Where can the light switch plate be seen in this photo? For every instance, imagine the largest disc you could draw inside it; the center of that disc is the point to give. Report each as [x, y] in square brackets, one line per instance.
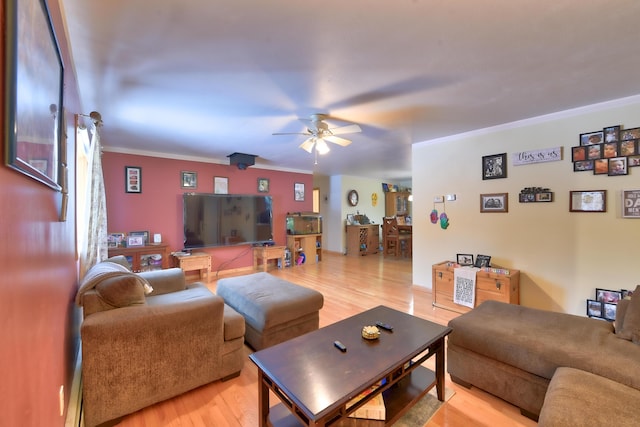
[438, 199]
[451, 197]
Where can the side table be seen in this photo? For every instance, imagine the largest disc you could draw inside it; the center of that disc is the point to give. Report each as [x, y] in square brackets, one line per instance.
[265, 253]
[196, 261]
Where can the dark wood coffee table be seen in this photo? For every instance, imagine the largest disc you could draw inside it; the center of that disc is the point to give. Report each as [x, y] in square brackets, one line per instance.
[315, 381]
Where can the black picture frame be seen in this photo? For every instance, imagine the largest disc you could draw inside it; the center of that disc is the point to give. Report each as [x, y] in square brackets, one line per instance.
[594, 308]
[298, 192]
[618, 166]
[611, 133]
[583, 166]
[609, 310]
[464, 259]
[608, 295]
[494, 166]
[633, 133]
[482, 261]
[132, 179]
[590, 138]
[34, 126]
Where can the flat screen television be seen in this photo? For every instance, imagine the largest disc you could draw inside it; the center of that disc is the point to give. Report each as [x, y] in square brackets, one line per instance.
[226, 219]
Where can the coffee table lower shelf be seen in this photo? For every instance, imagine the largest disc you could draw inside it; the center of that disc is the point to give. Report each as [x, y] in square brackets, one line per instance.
[398, 399]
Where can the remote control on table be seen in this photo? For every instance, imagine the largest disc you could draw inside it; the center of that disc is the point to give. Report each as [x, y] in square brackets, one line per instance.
[384, 326]
[340, 346]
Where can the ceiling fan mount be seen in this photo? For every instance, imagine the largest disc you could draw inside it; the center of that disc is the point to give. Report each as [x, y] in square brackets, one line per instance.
[318, 132]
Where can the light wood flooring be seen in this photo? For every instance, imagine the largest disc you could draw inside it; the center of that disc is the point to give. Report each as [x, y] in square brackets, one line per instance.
[349, 285]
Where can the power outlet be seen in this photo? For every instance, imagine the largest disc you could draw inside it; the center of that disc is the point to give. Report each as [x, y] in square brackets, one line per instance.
[61, 396]
[438, 199]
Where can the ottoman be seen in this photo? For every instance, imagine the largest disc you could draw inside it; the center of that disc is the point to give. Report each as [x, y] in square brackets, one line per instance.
[274, 309]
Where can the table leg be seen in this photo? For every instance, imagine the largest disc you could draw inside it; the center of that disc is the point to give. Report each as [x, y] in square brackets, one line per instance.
[263, 400]
[440, 369]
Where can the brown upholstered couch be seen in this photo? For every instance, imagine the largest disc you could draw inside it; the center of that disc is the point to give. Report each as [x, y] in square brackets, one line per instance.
[559, 368]
[140, 349]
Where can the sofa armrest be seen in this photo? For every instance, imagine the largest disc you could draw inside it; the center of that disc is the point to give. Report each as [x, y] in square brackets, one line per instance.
[133, 357]
[165, 281]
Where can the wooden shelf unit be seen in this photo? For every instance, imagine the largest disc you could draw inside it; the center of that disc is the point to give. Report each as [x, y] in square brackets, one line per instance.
[140, 257]
[489, 286]
[397, 203]
[310, 244]
[200, 261]
[363, 239]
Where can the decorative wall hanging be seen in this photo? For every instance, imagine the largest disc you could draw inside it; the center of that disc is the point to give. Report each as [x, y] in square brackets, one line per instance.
[537, 156]
[611, 151]
[535, 194]
[188, 179]
[631, 203]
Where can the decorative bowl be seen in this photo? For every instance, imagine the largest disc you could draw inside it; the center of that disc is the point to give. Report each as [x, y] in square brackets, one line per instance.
[370, 332]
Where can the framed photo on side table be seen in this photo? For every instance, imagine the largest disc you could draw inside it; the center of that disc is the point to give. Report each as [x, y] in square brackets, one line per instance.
[483, 261]
[143, 234]
[464, 259]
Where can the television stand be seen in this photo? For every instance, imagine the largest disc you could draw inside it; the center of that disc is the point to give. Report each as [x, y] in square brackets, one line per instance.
[265, 253]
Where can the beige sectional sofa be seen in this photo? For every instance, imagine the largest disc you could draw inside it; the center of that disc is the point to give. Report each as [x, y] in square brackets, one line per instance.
[140, 349]
[561, 369]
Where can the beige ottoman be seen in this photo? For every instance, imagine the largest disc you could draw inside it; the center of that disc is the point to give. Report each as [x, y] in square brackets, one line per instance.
[274, 309]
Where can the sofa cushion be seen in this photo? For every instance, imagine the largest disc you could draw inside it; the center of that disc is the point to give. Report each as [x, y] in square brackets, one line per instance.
[111, 270]
[539, 341]
[121, 291]
[234, 326]
[579, 398]
[120, 259]
[630, 327]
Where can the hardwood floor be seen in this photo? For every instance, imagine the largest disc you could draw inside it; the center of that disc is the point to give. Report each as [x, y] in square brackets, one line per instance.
[349, 285]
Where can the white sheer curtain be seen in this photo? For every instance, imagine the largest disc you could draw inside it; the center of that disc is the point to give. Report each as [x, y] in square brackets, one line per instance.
[92, 207]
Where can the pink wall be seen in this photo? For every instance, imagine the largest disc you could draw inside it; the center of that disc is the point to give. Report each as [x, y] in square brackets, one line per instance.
[158, 209]
[38, 318]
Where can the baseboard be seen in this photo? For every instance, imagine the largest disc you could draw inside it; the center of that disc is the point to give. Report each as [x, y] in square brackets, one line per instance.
[74, 409]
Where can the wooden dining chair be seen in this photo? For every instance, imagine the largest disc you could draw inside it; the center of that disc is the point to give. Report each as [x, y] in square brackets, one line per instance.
[394, 242]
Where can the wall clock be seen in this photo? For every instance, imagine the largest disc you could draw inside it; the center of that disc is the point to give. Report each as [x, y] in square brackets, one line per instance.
[352, 198]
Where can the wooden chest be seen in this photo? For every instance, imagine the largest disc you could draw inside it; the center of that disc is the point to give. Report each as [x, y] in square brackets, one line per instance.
[491, 284]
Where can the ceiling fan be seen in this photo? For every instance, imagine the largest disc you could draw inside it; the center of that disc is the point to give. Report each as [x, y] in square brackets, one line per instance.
[319, 132]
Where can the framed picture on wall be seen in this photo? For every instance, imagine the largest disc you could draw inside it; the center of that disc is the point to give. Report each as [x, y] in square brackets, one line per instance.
[188, 179]
[494, 166]
[591, 138]
[221, 185]
[494, 202]
[631, 203]
[588, 201]
[298, 192]
[263, 185]
[132, 179]
[594, 308]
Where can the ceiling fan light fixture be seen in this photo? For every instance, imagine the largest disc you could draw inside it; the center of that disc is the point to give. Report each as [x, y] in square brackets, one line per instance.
[321, 146]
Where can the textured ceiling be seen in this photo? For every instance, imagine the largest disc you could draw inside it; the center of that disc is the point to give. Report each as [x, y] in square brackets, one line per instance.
[203, 79]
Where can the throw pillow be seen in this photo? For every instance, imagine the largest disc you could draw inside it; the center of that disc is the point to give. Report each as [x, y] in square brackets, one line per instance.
[630, 329]
[621, 311]
[122, 291]
[120, 259]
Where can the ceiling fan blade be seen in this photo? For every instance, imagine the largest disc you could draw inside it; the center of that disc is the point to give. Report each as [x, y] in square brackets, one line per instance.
[292, 133]
[337, 140]
[346, 129]
[321, 146]
[308, 144]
